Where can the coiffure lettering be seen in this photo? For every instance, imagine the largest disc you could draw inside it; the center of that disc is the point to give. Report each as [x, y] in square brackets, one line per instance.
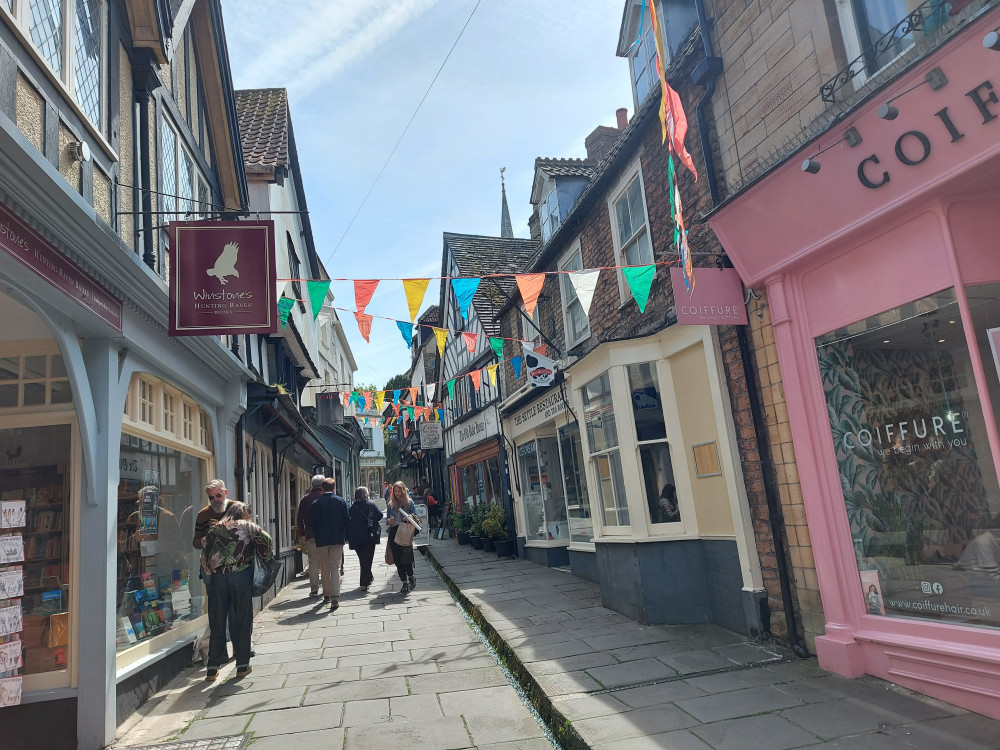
[711, 311]
[917, 428]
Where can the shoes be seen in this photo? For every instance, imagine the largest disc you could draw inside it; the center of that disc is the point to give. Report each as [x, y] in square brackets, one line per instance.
[413, 583]
[326, 600]
[405, 589]
[252, 653]
[243, 671]
[334, 605]
[212, 675]
[364, 588]
[313, 594]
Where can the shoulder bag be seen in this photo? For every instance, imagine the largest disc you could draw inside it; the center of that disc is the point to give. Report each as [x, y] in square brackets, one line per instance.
[374, 529]
[265, 574]
[406, 530]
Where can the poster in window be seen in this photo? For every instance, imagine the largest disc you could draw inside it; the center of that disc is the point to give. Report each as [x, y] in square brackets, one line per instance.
[149, 499]
[11, 548]
[10, 691]
[12, 514]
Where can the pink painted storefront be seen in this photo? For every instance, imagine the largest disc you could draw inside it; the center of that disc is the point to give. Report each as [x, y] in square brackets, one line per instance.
[882, 273]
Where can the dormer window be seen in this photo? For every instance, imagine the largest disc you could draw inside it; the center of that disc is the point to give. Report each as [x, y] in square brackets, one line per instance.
[548, 213]
[642, 63]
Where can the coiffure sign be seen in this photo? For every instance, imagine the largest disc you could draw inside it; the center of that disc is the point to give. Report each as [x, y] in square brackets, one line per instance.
[222, 278]
[717, 297]
[920, 433]
[25, 245]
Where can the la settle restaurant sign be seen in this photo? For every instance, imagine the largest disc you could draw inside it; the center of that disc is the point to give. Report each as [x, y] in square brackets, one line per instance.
[25, 245]
[222, 278]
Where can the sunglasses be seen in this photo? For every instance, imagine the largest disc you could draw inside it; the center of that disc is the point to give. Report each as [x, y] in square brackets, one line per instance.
[216, 497]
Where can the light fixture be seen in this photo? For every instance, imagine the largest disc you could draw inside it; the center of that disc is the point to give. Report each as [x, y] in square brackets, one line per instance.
[940, 341]
[78, 151]
[851, 137]
[885, 341]
[811, 166]
[935, 78]
[992, 40]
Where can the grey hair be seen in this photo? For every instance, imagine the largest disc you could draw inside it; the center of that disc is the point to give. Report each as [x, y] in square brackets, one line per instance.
[361, 495]
[215, 483]
[318, 480]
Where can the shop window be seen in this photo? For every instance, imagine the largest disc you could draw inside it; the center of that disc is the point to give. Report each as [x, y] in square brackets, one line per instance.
[35, 552]
[575, 320]
[87, 58]
[920, 488]
[158, 586]
[542, 489]
[654, 450]
[548, 212]
[169, 413]
[864, 22]
[581, 526]
[147, 403]
[630, 226]
[36, 380]
[602, 441]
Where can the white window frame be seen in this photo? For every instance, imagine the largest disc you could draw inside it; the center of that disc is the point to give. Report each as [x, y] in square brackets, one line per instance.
[852, 40]
[199, 185]
[548, 211]
[20, 18]
[645, 48]
[568, 294]
[633, 172]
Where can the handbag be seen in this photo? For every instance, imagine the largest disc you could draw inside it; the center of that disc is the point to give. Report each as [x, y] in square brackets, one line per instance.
[375, 530]
[388, 555]
[405, 531]
[265, 574]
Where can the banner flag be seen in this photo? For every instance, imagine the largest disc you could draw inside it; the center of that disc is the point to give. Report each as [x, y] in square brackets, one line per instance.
[284, 308]
[530, 285]
[497, 344]
[441, 334]
[640, 279]
[407, 330]
[470, 339]
[379, 400]
[584, 283]
[429, 390]
[317, 293]
[451, 389]
[673, 121]
[465, 289]
[414, 290]
[515, 362]
[492, 370]
[364, 324]
[363, 291]
[477, 379]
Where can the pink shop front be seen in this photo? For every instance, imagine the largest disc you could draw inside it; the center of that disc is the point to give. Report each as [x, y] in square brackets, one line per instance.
[882, 275]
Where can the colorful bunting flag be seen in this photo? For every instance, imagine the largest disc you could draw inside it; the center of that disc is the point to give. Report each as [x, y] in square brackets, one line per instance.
[395, 398]
[413, 397]
[673, 121]
[368, 398]
[429, 390]
[379, 400]
[640, 279]
[317, 293]
[451, 389]
[364, 324]
[515, 362]
[465, 289]
[410, 410]
[284, 308]
[584, 283]
[345, 399]
[363, 291]
[440, 415]
[497, 344]
[680, 231]
[492, 370]
[407, 330]
[414, 290]
[530, 286]
[470, 341]
[441, 334]
[477, 377]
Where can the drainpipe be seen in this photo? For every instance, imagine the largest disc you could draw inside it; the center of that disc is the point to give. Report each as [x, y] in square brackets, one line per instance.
[704, 74]
[240, 452]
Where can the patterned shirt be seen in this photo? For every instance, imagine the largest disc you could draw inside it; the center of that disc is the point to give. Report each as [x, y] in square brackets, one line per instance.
[231, 547]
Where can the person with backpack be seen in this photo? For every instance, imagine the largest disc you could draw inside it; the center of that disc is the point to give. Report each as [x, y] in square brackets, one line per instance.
[364, 533]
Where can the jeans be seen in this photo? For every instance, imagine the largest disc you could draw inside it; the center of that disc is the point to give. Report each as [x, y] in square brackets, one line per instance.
[365, 556]
[330, 557]
[313, 565]
[230, 597]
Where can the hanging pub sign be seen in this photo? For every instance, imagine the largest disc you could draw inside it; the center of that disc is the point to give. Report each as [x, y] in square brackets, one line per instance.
[716, 298]
[329, 409]
[541, 370]
[431, 435]
[222, 278]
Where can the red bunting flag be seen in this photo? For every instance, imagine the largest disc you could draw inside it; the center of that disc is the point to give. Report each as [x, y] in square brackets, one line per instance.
[364, 324]
[477, 378]
[470, 341]
[363, 291]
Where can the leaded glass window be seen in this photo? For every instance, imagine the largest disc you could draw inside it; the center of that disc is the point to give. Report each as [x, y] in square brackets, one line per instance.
[46, 29]
[88, 58]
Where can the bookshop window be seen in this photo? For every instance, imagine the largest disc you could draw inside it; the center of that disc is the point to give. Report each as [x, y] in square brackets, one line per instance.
[159, 495]
[33, 380]
[35, 550]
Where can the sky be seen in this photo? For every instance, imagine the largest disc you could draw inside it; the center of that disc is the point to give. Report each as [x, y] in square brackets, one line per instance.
[526, 79]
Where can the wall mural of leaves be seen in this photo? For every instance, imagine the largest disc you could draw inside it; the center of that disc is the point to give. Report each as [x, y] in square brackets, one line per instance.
[893, 498]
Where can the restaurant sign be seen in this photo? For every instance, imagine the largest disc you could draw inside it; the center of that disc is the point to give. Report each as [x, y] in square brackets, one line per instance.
[25, 245]
[222, 278]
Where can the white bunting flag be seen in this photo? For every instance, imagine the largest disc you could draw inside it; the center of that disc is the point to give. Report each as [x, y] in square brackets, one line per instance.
[584, 283]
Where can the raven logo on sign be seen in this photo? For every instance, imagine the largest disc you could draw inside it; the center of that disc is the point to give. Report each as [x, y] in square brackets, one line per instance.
[226, 263]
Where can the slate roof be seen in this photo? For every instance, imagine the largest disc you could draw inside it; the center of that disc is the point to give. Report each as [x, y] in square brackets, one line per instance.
[480, 256]
[566, 167]
[264, 122]
[430, 316]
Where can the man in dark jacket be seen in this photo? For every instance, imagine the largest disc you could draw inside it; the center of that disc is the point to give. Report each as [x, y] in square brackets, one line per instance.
[328, 521]
[301, 525]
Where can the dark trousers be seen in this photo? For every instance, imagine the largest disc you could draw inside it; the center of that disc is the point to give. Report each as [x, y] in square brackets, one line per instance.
[365, 556]
[403, 569]
[230, 597]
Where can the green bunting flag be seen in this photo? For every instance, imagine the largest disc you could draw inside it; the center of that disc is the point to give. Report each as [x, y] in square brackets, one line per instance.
[317, 293]
[497, 344]
[284, 308]
[451, 389]
[640, 279]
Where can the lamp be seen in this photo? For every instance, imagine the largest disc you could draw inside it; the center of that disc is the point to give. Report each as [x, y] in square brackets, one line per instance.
[78, 151]
[935, 78]
[992, 40]
[851, 137]
[811, 166]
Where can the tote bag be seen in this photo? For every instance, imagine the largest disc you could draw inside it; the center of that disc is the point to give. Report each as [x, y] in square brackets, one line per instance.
[265, 574]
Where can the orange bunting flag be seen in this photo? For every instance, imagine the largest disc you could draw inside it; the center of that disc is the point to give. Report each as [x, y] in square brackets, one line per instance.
[414, 290]
[542, 349]
[345, 398]
[363, 291]
[471, 339]
[530, 286]
[492, 370]
[413, 395]
[673, 121]
[364, 324]
[477, 378]
[441, 334]
[368, 398]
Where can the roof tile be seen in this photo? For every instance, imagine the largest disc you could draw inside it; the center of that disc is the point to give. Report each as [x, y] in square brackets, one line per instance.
[263, 118]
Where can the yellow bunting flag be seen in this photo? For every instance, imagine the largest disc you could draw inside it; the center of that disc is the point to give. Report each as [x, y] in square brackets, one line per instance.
[379, 400]
[492, 370]
[414, 289]
[441, 334]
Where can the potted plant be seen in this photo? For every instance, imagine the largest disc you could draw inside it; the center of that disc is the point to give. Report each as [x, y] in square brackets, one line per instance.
[476, 529]
[463, 522]
[494, 527]
[452, 524]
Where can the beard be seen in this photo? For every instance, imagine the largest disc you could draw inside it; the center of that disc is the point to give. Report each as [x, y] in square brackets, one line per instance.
[218, 507]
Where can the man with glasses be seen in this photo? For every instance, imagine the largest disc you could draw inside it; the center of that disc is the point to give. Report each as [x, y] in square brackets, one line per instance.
[218, 501]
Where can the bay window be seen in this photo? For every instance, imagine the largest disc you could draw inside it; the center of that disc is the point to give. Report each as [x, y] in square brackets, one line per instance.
[659, 487]
[602, 442]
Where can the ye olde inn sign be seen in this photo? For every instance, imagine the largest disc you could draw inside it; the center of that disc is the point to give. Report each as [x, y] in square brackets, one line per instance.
[222, 278]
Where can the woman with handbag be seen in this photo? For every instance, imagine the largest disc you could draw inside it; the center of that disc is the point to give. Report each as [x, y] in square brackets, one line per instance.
[399, 514]
[364, 532]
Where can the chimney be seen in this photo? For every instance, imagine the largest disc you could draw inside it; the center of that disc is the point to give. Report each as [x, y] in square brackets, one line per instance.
[622, 115]
[599, 142]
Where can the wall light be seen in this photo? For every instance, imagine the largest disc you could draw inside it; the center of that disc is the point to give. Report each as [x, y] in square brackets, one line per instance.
[992, 40]
[935, 78]
[851, 137]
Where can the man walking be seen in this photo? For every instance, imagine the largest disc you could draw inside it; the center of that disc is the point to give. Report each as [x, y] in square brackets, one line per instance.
[328, 521]
[302, 526]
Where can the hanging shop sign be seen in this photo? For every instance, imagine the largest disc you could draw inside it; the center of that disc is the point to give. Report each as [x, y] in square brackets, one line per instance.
[25, 245]
[329, 409]
[222, 278]
[715, 300]
[541, 370]
[431, 435]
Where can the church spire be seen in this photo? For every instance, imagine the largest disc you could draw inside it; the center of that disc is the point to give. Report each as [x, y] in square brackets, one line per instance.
[505, 228]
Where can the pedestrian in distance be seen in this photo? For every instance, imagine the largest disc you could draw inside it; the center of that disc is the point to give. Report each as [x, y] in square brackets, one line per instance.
[364, 533]
[301, 525]
[328, 521]
[227, 555]
[400, 508]
[386, 492]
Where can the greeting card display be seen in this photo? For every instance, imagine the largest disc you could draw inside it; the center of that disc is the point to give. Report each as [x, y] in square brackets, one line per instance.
[11, 582]
[11, 619]
[11, 548]
[10, 691]
[13, 514]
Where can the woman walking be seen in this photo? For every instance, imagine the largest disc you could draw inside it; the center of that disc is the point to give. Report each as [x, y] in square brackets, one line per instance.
[364, 532]
[400, 506]
[228, 553]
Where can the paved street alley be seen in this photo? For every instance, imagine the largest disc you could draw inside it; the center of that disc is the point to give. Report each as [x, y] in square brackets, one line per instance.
[385, 671]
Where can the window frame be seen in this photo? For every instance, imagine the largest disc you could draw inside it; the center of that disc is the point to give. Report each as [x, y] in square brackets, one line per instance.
[548, 210]
[631, 173]
[565, 289]
[608, 454]
[646, 47]
[851, 34]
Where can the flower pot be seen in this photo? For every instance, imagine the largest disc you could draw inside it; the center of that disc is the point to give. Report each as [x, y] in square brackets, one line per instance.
[488, 545]
[476, 542]
[463, 537]
[451, 533]
[504, 547]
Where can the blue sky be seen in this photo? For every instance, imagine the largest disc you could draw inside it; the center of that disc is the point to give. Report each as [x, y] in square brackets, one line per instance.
[526, 79]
